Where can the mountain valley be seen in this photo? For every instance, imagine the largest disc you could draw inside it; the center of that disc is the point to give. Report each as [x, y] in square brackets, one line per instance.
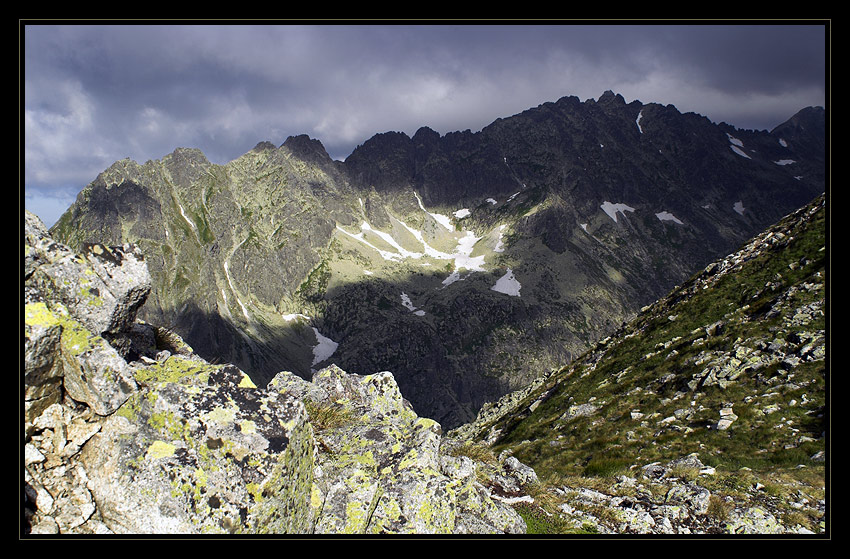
[467, 264]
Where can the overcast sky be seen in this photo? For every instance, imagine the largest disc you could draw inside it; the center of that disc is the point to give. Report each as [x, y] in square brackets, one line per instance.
[96, 94]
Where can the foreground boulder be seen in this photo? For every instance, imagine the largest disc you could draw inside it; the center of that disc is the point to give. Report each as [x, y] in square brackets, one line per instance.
[384, 469]
[127, 430]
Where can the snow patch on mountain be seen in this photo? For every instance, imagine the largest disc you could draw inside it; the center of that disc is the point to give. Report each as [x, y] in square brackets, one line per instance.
[667, 216]
[740, 152]
[386, 255]
[408, 304]
[324, 348]
[611, 209]
[463, 254]
[508, 284]
[739, 207]
[403, 253]
[294, 316]
[439, 218]
[500, 246]
[453, 277]
[226, 266]
[736, 145]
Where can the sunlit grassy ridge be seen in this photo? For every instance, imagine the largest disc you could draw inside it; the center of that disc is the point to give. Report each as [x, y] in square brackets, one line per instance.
[647, 372]
[747, 345]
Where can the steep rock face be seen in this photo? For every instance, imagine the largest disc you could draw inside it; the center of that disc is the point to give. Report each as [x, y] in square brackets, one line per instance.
[128, 431]
[585, 210]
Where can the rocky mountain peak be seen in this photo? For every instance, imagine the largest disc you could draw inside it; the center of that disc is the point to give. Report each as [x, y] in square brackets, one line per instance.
[812, 118]
[425, 135]
[187, 156]
[307, 148]
[611, 98]
[264, 146]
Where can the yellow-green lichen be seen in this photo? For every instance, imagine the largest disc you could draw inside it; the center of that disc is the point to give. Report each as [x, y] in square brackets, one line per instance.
[129, 409]
[316, 498]
[157, 421]
[38, 314]
[167, 424]
[76, 340]
[160, 449]
[246, 382]
[288, 425]
[174, 369]
[88, 297]
[255, 491]
[409, 459]
[247, 426]
[220, 415]
[356, 515]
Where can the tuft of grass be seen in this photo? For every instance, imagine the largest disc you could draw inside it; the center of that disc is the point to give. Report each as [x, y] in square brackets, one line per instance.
[799, 518]
[686, 473]
[718, 508]
[539, 521]
[328, 415]
[606, 467]
[475, 451]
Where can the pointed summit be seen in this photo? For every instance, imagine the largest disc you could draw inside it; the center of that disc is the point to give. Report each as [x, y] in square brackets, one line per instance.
[306, 148]
[263, 146]
[609, 97]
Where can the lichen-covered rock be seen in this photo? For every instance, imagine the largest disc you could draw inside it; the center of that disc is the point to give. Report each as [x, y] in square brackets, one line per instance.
[93, 370]
[61, 354]
[71, 302]
[103, 287]
[162, 443]
[202, 450]
[754, 520]
[42, 368]
[381, 467]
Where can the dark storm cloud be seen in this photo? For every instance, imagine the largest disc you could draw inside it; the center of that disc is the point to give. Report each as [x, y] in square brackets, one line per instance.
[95, 94]
[738, 59]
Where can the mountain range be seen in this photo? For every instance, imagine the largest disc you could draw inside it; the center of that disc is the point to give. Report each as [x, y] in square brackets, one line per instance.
[468, 264]
[591, 317]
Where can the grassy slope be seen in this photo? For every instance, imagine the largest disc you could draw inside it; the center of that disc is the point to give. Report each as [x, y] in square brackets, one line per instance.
[641, 408]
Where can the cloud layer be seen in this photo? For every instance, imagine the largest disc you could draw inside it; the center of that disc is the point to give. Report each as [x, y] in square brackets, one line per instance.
[96, 94]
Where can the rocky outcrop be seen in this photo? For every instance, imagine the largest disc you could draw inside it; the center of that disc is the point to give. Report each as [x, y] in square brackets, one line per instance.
[674, 498]
[383, 469]
[128, 431]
